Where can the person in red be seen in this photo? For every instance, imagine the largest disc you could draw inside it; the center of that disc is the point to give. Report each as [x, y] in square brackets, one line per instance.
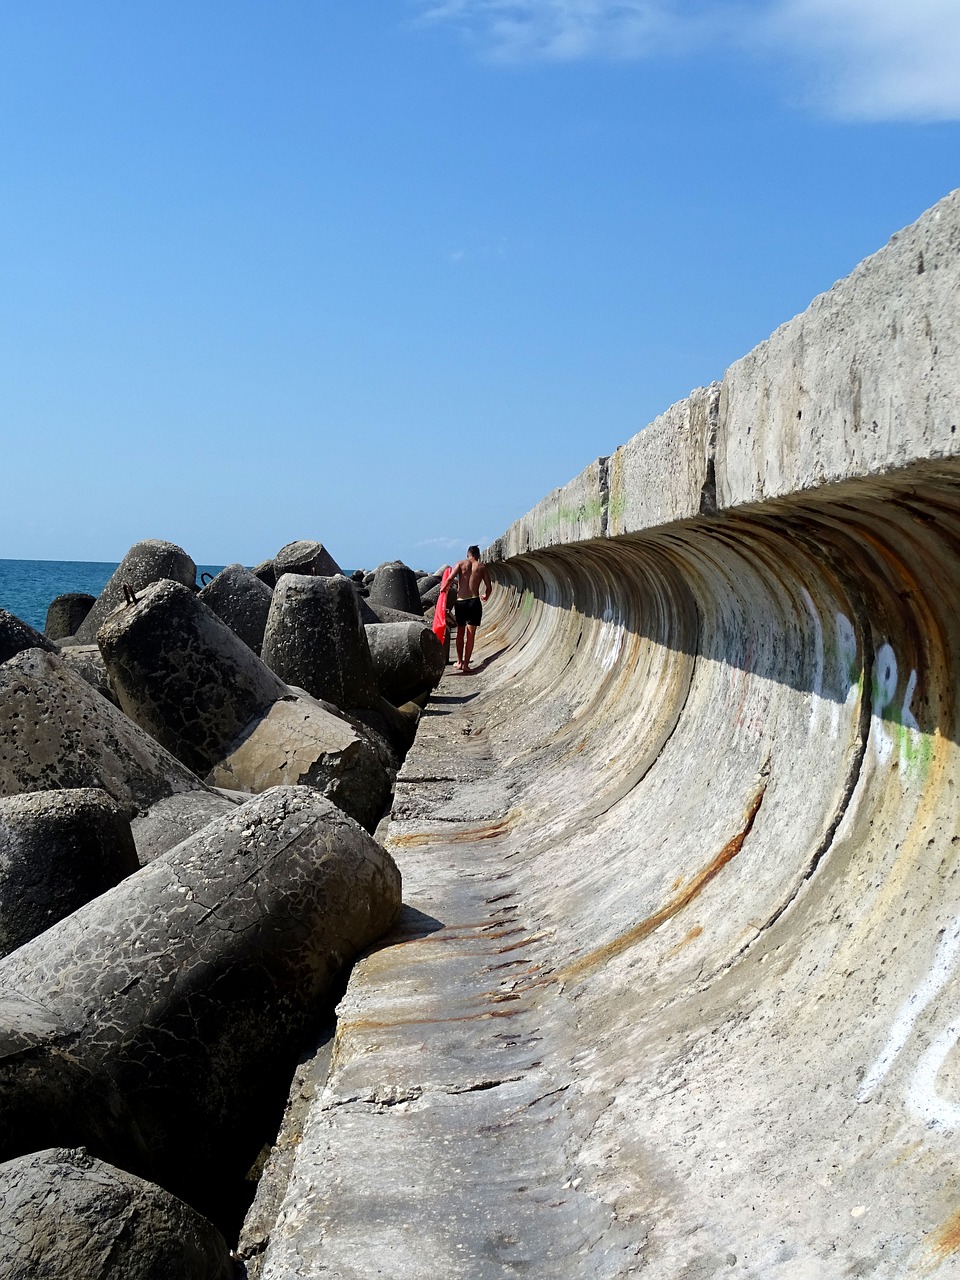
[471, 577]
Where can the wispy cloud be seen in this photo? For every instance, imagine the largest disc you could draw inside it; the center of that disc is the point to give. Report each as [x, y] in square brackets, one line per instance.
[567, 30]
[455, 544]
[442, 543]
[875, 59]
[855, 59]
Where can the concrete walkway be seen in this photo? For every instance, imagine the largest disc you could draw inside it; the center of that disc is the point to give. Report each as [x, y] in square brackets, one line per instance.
[443, 1144]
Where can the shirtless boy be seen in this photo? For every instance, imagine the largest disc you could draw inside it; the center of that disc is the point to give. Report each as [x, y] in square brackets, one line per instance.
[470, 576]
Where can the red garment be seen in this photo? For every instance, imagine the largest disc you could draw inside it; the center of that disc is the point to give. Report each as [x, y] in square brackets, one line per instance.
[440, 613]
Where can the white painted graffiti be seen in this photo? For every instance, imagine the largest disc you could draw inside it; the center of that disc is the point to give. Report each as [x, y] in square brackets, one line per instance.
[817, 701]
[609, 642]
[884, 689]
[845, 675]
[847, 667]
[886, 678]
[923, 1101]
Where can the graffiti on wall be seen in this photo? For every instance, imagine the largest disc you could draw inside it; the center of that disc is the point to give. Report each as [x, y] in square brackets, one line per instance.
[923, 1101]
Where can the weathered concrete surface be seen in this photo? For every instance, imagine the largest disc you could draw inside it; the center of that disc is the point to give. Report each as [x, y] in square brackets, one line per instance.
[66, 612]
[87, 661]
[17, 635]
[147, 561]
[315, 640]
[58, 849]
[407, 658]
[372, 614]
[676, 990]
[182, 674]
[154, 1025]
[299, 742]
[56, 731]
[242, 601]
[67, 1216]
[394, 586]
[304, 557]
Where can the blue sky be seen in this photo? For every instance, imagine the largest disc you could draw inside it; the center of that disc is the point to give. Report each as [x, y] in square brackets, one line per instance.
[384, 273]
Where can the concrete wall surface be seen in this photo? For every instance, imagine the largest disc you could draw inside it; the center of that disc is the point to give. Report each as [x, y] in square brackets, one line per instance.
[676, 989]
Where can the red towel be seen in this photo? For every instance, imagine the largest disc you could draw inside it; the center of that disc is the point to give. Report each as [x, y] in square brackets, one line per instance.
[440, 613]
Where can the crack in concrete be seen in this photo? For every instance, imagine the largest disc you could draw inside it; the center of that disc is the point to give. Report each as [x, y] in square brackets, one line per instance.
[399, 1095]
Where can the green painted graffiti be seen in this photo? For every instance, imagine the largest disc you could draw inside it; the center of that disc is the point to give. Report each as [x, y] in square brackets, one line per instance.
[571, 515]
[916, 750]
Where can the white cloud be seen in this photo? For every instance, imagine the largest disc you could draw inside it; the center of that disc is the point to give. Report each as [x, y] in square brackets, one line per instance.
[876, 59]
[566, 30]
[856, 59]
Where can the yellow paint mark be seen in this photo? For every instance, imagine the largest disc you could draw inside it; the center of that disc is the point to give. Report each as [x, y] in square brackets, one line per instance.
[600, 955]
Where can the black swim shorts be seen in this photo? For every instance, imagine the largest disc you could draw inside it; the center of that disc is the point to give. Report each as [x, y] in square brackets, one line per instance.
[468, 612]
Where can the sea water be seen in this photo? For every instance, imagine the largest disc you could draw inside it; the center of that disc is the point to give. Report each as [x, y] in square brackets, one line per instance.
[28, 586]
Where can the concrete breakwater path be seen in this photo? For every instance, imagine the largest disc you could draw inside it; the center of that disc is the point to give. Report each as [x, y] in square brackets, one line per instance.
[676, 988]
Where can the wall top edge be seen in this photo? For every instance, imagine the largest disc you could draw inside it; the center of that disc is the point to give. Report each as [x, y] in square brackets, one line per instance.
[865, 381]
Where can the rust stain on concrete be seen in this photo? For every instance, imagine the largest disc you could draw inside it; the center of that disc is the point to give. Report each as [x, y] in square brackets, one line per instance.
[359, 1025]
[695, 932]
[945, 1242]
[514, 946]
[490, 831]
[600, 955]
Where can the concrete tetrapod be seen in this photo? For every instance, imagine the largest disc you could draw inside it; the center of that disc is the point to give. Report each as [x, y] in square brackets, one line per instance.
[183, 674]
[58, 849]
[299, 741]
[17, 635]
[158, 1026]
[316, 641]
[67, 1216]
[407, 657]
[266, 572]
[56, 731]
[370, 615]
[373, 614]
[147, 561]
[241, 600]
[306, 557]
[66, 612]
[394, 586]
[87, 661]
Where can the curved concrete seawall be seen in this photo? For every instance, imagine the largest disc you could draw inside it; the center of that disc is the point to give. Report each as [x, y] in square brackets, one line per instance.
[677, 988]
